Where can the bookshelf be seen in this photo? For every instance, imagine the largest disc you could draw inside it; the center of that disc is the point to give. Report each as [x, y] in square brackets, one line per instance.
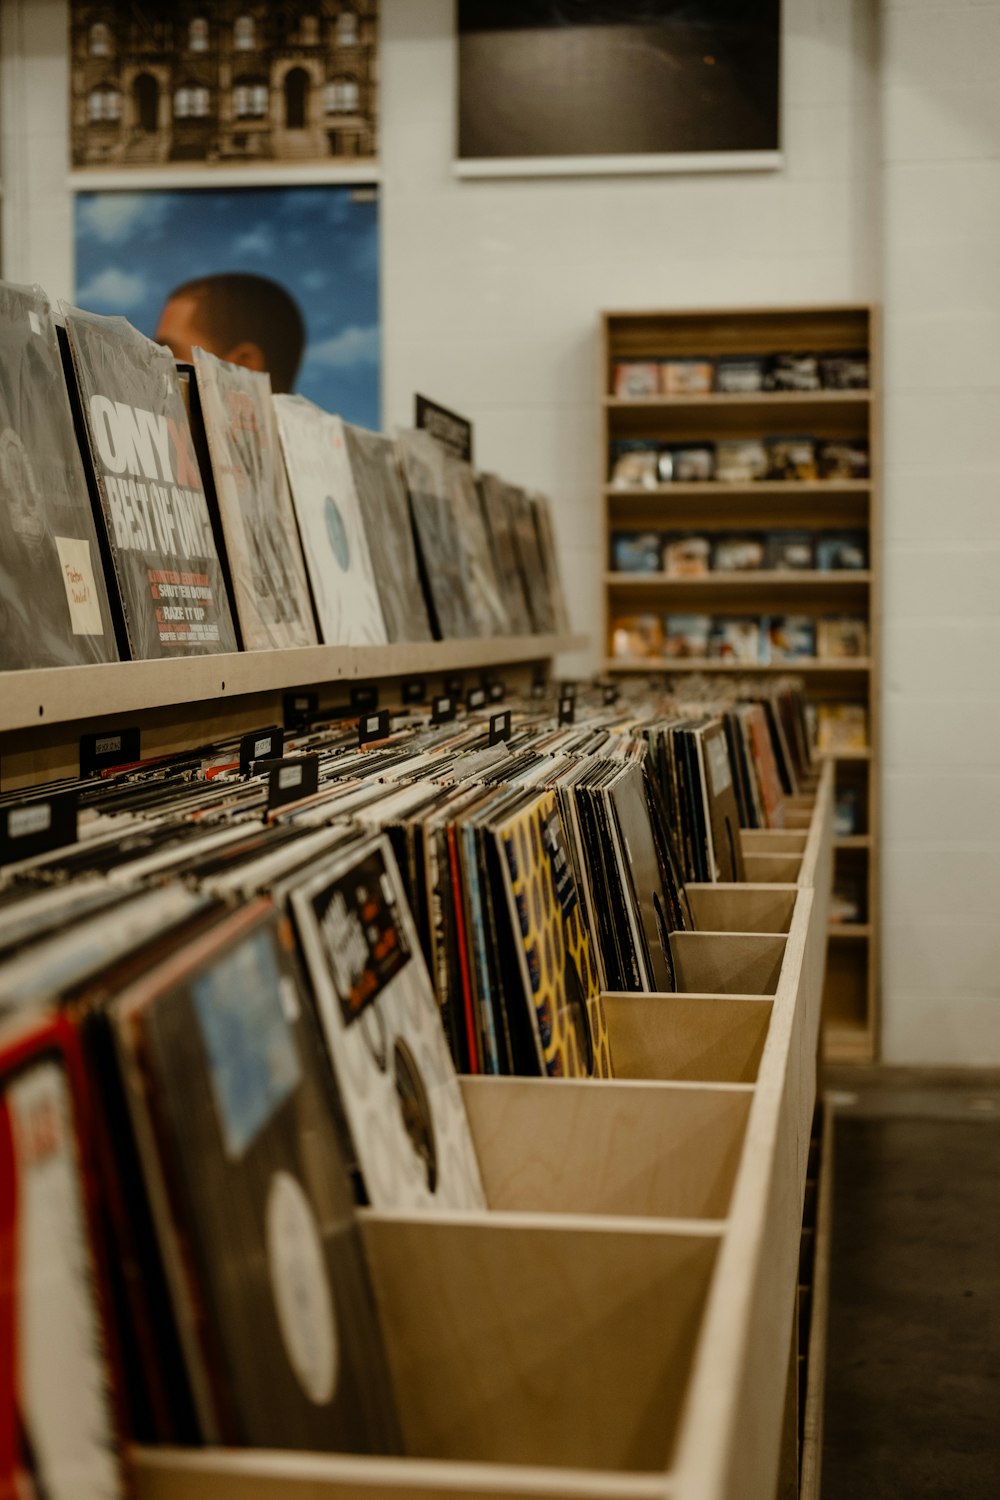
[711, 507]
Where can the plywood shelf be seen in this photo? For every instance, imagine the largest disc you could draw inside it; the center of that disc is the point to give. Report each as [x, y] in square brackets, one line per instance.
[862, 753]
[799, 401]
[793, 489]
[848, 1044]
[665, 664]
[63, 695]
[853, 932]
[853, 841]
[751, 579]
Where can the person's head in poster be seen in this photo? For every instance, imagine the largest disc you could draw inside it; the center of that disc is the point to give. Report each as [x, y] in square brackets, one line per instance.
[245, 319]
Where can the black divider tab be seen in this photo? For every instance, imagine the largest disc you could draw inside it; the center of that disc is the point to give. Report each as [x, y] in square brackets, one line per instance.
[37, 825]
[567, 709]
[373, 727]
[476, 699]
[442, 709]
[300, 708]
[364, 697]
[497, 690]
[108, 748]
[609, 694]
[567, 690]
[263, 744]
[500, 727]
[291, 779]
[415, 690]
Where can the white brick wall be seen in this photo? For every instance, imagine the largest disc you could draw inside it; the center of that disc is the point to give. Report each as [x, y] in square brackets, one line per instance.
[941, 814]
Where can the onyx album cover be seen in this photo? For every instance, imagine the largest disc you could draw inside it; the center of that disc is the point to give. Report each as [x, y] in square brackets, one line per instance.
[152, 499]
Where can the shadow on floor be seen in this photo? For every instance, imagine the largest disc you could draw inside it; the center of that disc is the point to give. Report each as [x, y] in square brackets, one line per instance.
[913, 1353]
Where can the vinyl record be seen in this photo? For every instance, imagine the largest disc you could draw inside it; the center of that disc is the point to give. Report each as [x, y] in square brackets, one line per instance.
[385, 511]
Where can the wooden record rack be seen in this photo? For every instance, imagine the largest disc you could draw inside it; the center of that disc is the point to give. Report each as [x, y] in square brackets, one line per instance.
[622, 1321]
[713, 507]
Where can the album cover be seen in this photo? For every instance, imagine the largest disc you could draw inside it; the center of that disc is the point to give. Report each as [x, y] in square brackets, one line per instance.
[842, 551]
[840, 638]
[792, 372]
[545, 529]
[636, 551]
[686, 556]
[720, 797]
[496, 498]
[741, 460]
[439, 541]
[791, 637]
[845, 372]
[738, 554]
[735, 640]
[634, 379]
[255, 508]
[230, 1102]
[843, 460]
[334, 541]
[481, 580]
[687, 635]
[846, 812]
[530, 558]
[635, 465]
[792, 458]
[558, 973]
[636, 635]
[54, 607]
[740, 375]
[790, 551]
[55, 1360]
[758, 735]
[686, 377]
[642, 876]
[693, 464]
[841, 726]
[385, 510]
[383, 1032]
[149, 490]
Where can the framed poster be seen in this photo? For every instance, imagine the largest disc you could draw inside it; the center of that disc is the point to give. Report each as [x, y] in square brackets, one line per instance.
[597, 86]
[282, 279]
[217, 85]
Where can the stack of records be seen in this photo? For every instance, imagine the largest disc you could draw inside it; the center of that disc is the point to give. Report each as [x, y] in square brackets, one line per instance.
[385, 510]
[437, 526]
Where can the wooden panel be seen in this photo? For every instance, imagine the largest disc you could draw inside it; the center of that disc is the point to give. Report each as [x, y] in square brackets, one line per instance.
[741, 907]
[772, 841]
[651, 335]
[514, 1343]
[725, 963]
[769, 869]
[704, 1038]
[659, 1150]
[212, 1474]
[812, 1427]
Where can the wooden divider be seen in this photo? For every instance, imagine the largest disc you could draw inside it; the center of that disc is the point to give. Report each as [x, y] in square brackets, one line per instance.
[617, 1325]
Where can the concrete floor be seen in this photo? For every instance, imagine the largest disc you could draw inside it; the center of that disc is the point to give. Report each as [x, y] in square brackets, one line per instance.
[913, 1368]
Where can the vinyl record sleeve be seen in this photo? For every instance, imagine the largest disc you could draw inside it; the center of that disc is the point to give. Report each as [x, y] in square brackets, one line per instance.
[255, 509]
[54, 607]
[532, 565]
[59, 1432]
[558, 972]
[495, 499]
[231, 1106]
[383, 1031]
[334, 540]
[546, 532]
[723, 813]
[482, 582]
[385, 510]
[436, 524]
[159, 531]
[641, 874]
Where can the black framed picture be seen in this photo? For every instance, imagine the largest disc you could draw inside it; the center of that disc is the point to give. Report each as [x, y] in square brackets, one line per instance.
[557, 86]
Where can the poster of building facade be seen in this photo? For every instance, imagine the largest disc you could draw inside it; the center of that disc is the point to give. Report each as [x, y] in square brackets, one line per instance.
[220, 83]
[282, 279]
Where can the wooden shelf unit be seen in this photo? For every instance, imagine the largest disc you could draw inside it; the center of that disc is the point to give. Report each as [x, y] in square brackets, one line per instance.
[653, 1221]
[714, 506]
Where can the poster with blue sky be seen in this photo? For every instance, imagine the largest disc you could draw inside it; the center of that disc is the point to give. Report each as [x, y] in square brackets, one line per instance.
[318, 244]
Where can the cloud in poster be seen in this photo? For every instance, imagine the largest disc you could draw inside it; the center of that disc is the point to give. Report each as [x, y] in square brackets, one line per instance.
[114, 218]
[260, 240]
[353, 346]
[113, 290]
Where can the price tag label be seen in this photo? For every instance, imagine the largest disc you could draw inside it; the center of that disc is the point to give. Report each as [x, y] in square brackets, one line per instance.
[108, 748]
